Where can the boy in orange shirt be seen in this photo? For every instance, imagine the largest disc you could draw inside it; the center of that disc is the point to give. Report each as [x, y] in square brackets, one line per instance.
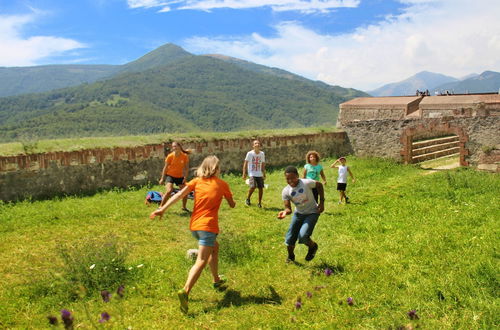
[209, 190]
[175, 172]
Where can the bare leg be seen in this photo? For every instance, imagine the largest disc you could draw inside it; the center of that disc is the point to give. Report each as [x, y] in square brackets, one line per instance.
[204, 253]
[261, 191]
[213, 263]
[250, 192]
[168, 190]
[184, 200]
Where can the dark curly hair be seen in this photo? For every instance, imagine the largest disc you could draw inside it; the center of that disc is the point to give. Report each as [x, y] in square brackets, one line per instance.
[312, 152]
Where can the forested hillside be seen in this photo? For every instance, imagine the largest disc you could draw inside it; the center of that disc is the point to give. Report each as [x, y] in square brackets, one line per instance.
[186, 93]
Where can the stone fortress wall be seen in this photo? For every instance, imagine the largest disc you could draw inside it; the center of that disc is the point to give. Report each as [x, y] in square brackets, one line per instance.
[390, 126]
[50, 174]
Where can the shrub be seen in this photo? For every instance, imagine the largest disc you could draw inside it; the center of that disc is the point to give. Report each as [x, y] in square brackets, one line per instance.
[95, 264]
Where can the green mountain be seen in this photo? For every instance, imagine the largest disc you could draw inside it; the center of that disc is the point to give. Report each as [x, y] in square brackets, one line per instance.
[169, 90]
[35, 79]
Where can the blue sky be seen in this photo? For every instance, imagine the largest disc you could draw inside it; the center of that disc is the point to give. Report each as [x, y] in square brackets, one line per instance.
[352, 43]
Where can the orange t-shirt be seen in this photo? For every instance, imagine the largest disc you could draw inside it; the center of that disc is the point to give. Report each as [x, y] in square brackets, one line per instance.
[176, 164]
[208, 194]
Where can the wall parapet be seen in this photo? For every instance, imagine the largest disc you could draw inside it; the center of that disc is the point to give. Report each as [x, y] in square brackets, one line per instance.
[57, 173]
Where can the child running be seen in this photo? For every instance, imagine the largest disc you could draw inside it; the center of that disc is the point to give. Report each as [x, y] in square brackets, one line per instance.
[175, 172]
[342, 179]
[255, 162]
[313, 170]
[306, 214]
[209, 190]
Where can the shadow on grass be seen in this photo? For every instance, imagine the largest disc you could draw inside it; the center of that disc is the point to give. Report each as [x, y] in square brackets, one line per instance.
[335, 269]
[234, 298]
[274, 209]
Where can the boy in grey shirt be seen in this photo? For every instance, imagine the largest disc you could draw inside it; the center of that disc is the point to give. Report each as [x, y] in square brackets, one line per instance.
[299, 191]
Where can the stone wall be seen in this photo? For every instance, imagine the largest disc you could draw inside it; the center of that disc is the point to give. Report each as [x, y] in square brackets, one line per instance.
[392, 138]
[58, 173]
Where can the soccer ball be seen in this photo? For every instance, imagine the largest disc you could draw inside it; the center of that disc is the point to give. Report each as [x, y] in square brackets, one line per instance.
[192, 254]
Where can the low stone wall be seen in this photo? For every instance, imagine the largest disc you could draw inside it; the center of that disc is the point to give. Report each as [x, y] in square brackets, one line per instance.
[58, 173]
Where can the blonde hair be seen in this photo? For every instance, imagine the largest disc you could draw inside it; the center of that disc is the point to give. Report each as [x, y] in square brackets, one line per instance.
[208, 168]
[312, 152]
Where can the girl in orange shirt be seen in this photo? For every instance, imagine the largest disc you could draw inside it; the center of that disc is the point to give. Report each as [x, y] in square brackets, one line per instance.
[175, 172]
[209, 190]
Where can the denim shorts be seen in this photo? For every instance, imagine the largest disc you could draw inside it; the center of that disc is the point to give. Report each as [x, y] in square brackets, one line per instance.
[205, 238]
[301, 228]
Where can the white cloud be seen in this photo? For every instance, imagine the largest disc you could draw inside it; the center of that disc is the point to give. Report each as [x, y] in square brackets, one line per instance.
[17, 50]
[305, 6]
[454, 37]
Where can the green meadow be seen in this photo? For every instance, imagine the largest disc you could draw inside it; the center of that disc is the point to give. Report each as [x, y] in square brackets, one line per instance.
[410, 240]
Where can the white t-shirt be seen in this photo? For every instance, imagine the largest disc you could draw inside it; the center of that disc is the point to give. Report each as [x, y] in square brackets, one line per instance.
[342, 174]
[301, 196]
[255, 163]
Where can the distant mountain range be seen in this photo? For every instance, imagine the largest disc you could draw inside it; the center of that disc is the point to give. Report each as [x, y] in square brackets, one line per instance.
[166, 90]
[488, 81]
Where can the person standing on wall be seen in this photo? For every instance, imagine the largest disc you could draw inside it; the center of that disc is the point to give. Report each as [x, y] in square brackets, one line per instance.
[175, 172]
[255, 162]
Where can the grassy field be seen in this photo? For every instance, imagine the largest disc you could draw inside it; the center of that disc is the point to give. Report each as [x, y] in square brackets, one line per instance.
[30, 146]
[408, 242]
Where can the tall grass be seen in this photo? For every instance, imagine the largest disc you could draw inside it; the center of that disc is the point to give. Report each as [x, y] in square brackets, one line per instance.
[408, 242]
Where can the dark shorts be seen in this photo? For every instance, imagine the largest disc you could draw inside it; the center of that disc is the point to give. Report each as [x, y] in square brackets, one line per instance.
[341, 186]
[177, 181]
[256, 182]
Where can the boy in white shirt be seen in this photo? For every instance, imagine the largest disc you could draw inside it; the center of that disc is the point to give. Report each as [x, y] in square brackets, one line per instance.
[255, 163]
[342, 179]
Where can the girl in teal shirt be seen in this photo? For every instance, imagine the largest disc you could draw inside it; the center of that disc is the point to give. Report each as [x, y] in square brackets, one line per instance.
[313, 170]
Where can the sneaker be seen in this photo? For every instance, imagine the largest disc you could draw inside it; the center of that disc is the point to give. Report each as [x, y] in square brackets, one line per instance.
[260, 205]
[183, 299]
[347, 200]
[186, 210]
[247, 202]
[312, 252]
[290, 259]
[340, 202]
[220, 283]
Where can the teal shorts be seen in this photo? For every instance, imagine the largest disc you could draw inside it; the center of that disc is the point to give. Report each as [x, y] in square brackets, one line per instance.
[205, 238]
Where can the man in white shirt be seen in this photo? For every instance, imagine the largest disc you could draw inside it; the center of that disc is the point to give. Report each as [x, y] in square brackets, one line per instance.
[255, 163]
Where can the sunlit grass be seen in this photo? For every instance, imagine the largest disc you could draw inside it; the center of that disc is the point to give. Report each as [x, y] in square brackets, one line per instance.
[407, 241]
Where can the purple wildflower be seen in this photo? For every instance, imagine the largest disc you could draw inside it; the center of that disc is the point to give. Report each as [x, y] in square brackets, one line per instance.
[104, 317]
[120, 291]
[52, 319]
[328, 272]
[413, 315]
[350, 301]
[105, 295]
[298, 304]
[309, 294]
[67, 318]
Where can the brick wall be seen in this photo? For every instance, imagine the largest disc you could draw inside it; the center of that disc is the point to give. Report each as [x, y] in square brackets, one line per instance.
[86, 171]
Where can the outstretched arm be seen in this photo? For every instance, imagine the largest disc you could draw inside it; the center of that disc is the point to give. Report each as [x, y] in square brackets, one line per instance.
[287, 211]
[171, 201]
[321, 193]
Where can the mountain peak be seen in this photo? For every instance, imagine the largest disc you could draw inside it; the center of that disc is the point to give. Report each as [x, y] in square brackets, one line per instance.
[160, 56]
